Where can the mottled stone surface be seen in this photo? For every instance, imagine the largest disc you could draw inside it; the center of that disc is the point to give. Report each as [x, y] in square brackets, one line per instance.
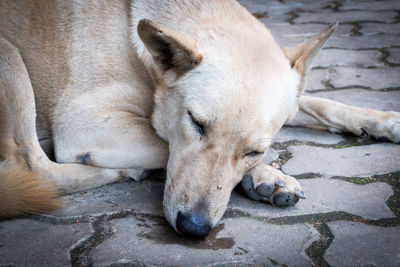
[323, 196]
[357, 244]
[240, 240]
[145, 196]
[307, 136]
[389, 100]
[26, 242]
[343, 17]
[345, 77]
[352, 161]
[356, 58]
[340, 223]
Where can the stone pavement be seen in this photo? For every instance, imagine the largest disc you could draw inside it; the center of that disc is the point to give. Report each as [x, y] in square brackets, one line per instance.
[351, 215]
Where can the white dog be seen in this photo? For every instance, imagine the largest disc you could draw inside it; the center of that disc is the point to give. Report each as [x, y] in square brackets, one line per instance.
[122, 87]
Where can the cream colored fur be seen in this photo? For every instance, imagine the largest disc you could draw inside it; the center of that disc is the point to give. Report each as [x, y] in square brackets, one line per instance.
[117, 85]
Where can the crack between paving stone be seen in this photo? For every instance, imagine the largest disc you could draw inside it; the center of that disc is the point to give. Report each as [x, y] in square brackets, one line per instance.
[314, 218]
[317, 249]
[292, 16]
[384, 58]
[80, 252]
[355, 31]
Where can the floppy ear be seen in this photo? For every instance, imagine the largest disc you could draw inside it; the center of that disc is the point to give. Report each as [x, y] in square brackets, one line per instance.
[301, 56]
[171, 50]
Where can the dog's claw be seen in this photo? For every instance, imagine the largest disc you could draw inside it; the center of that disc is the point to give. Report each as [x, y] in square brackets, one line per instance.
[279, 184]
[300, 194]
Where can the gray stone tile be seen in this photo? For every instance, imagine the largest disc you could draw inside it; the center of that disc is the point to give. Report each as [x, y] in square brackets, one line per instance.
[394, 55]
[359, 161]
[272, 7]
[271, 156]
[325, 195]
[307, 135]
[349, 16]
[145, 196]
[305, 30]
[364, 98]
[358, 244]
[363, 42]
[340, 57]
[239, 240]
[26, 242]
[376, 28]
[343, 42]
[370, 5]
[341, 77]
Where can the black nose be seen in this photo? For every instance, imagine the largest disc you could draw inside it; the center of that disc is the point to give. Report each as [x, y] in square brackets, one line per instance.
[192, 224]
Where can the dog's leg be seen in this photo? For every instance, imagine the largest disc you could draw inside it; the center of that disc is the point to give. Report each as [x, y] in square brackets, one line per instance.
[108, 139]
[338, 117]
[265, 183]
[19, 144]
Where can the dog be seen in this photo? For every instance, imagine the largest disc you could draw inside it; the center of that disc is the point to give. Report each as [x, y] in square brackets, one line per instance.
[92, 92]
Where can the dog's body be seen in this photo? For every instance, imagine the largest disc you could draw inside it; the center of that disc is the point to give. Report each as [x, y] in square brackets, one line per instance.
[197, 87]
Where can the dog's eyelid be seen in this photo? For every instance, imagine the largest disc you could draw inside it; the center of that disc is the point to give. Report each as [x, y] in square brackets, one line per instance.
[200, 126]
[254, 153]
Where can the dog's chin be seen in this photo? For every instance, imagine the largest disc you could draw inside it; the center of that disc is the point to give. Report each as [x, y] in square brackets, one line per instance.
[170, 215]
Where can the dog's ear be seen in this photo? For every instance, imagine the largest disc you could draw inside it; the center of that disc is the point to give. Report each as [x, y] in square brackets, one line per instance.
[171, 50]
[301, 56]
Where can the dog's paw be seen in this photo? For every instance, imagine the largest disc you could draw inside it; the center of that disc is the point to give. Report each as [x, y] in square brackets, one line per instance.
[265, 183]
[134, 174]
[381, 124]
[391, 126]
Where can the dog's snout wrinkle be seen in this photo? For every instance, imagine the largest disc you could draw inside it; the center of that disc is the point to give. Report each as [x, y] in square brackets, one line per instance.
[192, 225]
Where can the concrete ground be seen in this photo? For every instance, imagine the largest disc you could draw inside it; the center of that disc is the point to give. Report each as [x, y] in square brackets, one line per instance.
[351, 215]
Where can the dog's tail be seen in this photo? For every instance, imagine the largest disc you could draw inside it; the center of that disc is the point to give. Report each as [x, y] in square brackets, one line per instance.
[22, 191]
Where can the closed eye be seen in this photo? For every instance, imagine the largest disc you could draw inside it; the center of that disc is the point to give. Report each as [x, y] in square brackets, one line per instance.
[197, 125]
[254, 154]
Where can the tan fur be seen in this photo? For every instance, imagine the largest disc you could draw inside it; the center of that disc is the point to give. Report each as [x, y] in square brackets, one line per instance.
[24, 192]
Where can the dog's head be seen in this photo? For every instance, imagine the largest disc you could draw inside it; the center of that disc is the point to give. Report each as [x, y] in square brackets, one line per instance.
[223, 92]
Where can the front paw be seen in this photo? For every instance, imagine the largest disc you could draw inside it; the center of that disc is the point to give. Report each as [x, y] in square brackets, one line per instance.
[264, 183]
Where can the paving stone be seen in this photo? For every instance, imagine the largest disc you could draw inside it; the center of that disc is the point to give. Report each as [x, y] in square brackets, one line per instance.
[26, 242]
[360, 161]
[394, 55]
[363, 42]
[271, 156]
[323, 196]
[307, 135]
[343, 42]
[340, 57]
[364, 98]
[273, 7]
[343, 17]
[370, 5]
[306, 30]
[239, 240]
[341, 77]
[357, 244]
[145, 196]
[376, 28]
